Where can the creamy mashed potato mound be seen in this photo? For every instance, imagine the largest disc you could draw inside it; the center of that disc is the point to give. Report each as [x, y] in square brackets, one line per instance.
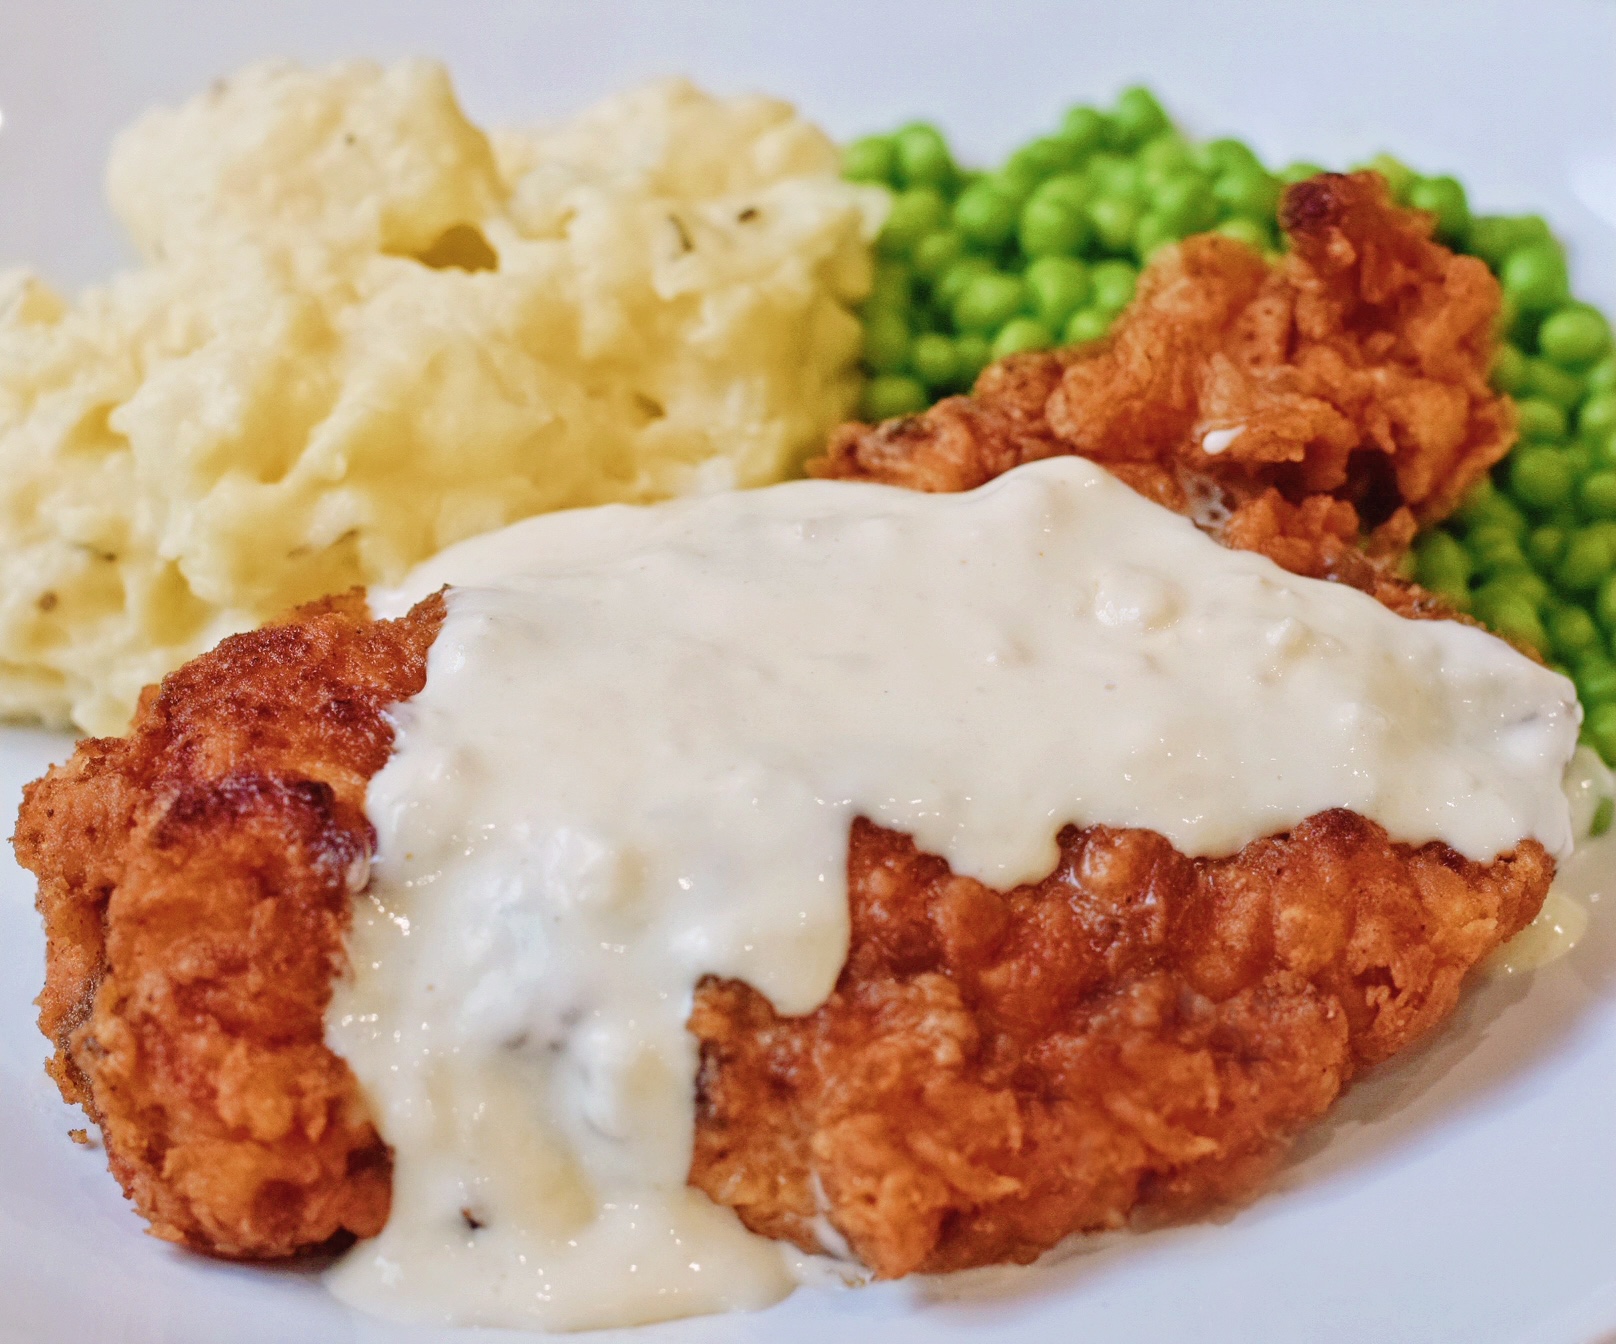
[365, 330]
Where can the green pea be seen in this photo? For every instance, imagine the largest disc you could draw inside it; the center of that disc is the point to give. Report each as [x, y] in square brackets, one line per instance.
[1572, 631]
[1444, 198]
[1085, 325]
[914, 214]
[1540, 421]
[936, 252]
[934, 360]
[1015, 182]
[1513, 583]
[1600, 730]
[1113, 285]
[1137, 117]
[1603, 815]
[1508, 324]
[1299, 171]
[1072, 189]
[891, 395]
[891, 287]
[886, 340]
[1441, 562]
[1546, 545]
[985, 215]
[1115, 220]
[989, 301]
[1153, 234]
[1540, 477]
[1509, 368]
[1052, 227]
[1085, 128]
[1602, 449]
[1399, 176]
[1605, 603]
[1248, 231]
[1596, 496]
[1228, 155]
[1022, 333]
[1165, 155]
[947, 288]
[1249, 192]
[1476, 502]
[1534, 275]
[922, 156]
[1602, 377]
[871, 159]
[1048, 154]
[1059, 287]
[1574, 337]
[1552, 383]
[1597, 418]
[1186, 204]
[1486, 504]
[1113, 176]
[1495, 550]
[1494, 237]
[1595, 676]
[972, 354]
[1517, 619]
[1586, 562]
[1523, 324]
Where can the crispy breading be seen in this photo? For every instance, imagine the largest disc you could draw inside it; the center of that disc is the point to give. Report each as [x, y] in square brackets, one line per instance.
[1139, 1034]
[1291, 406]
[195, 880]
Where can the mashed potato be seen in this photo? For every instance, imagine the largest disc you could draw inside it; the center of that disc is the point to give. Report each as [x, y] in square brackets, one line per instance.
[365, 331]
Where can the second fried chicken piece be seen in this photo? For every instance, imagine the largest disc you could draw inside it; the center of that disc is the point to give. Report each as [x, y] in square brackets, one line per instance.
[1139, 1034]
[1293, 406]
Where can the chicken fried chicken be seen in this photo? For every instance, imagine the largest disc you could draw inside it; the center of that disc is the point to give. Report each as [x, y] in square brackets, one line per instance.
[1136, 1036]
[1290, 407]
[1140, 1032]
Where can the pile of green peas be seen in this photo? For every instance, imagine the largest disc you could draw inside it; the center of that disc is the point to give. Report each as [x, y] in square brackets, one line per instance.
[1045, 251]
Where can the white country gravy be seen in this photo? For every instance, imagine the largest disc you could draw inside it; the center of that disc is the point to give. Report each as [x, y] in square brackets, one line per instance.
[644, 734]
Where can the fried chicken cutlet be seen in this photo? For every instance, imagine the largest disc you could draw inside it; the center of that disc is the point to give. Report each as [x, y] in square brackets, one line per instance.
[1138, 1035]
[1335, 397]
[1139, 1032]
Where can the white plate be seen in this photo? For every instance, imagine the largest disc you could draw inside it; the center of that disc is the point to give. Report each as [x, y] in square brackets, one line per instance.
[1468, 1193]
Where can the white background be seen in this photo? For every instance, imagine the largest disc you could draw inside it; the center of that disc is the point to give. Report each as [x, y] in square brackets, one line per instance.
[1466, 1194]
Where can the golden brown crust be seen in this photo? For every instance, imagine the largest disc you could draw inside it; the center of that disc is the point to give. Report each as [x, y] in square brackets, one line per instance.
[195, 880]
[1354, 370]
[1138, 1034]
